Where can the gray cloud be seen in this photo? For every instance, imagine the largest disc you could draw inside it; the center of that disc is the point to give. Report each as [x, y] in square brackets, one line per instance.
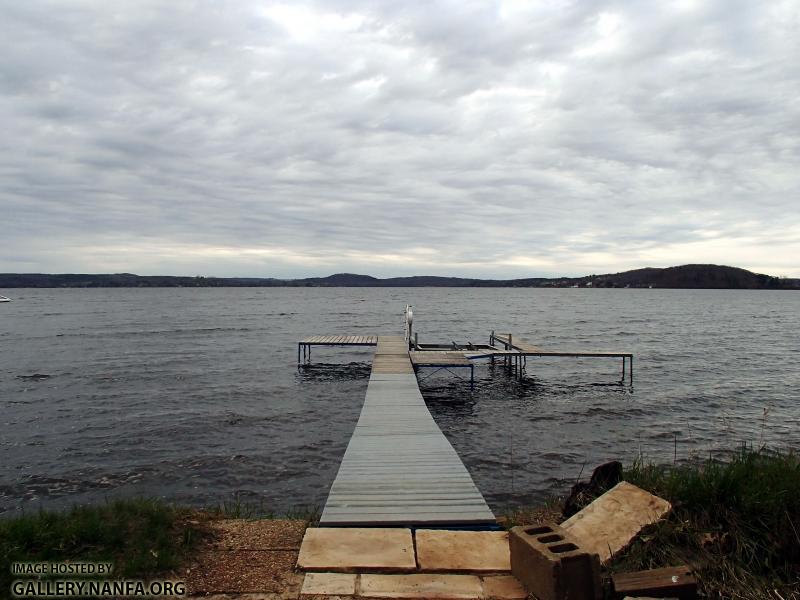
[477, 138]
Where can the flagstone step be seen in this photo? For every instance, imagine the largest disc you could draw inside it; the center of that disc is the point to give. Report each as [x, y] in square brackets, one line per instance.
[420, 585]
[353, 549]
[399, 550]
[462, 551]
[441, 586]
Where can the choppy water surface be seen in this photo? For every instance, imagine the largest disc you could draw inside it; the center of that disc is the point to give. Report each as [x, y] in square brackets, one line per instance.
[194, 394]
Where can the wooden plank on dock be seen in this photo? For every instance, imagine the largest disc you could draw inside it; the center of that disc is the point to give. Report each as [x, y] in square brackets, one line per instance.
[399, 469]
[339, 340]
[434, 358]
[523, 347]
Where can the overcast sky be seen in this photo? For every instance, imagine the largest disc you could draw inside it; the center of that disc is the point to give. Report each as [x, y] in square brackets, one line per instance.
[502, 139]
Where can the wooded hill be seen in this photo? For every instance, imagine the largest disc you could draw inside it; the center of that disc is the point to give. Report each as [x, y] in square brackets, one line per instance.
[685, 277]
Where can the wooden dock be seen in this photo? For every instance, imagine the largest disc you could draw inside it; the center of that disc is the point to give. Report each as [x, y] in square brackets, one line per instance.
[304, 345]
[399, 469]
[522, 349]
[442, 360]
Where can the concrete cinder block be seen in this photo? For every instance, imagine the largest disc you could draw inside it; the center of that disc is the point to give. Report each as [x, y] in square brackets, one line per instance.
[552, 565]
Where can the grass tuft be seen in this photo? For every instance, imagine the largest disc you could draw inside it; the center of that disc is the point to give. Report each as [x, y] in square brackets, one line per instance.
[236, 508]
[736, 522]
[239, 509]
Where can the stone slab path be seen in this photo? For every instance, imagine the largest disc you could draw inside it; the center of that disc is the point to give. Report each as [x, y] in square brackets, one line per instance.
[401, 563]
[282, 560]
[412, 586]
[358, 549]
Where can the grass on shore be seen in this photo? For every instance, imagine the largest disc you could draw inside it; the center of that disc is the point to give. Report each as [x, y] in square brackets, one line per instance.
[238, 509]
[142, 537]
[735, 522]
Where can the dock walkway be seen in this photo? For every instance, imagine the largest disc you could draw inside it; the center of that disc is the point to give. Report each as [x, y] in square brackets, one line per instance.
[399, 468]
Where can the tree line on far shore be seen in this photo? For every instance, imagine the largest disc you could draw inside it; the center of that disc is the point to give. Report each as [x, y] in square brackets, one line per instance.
[681, 277]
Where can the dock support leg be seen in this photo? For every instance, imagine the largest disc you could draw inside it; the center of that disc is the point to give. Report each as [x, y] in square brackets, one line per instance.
[623, 369]
[472, 377]
[298, 353]
[631, 357]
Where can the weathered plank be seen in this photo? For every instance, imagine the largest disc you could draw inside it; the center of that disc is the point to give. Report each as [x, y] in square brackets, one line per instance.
[340, 340]
[523, 347]
[677, 582]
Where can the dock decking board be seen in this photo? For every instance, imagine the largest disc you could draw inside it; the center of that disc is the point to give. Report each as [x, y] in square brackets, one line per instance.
[523, 347]
[339, 340]
[399, 469]
[434, 358]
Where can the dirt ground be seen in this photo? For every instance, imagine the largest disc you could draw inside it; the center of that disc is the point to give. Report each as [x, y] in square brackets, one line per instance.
[247, 560]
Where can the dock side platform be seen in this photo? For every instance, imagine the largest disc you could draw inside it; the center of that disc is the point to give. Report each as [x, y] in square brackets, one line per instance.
[523, 349]
[399, 469]
[304, 345]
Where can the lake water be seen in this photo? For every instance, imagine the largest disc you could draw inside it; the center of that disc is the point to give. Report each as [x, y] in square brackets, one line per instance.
[194, 394]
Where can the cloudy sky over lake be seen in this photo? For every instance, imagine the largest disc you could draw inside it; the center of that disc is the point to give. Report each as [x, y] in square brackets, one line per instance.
[501, 139]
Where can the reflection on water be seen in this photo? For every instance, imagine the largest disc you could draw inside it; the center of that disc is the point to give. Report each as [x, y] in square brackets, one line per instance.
[333, 372]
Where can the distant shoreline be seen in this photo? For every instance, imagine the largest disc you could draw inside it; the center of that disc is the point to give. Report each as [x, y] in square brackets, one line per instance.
[680, 277]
